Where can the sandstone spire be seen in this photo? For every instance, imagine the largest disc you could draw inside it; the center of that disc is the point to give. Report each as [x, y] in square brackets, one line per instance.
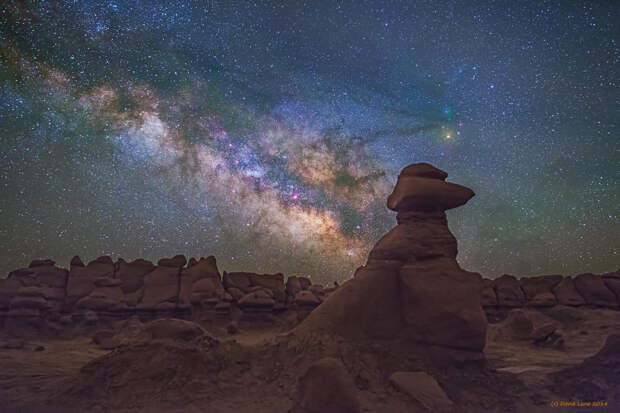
[411, 288]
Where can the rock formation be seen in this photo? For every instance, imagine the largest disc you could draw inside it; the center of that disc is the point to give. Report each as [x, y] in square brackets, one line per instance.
[411, 289]
[48, 299]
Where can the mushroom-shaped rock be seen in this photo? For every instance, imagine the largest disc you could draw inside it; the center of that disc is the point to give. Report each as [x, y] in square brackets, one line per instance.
[411, 289]
[424, 193]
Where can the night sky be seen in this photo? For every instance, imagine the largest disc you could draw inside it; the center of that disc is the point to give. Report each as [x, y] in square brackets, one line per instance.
[269, 134]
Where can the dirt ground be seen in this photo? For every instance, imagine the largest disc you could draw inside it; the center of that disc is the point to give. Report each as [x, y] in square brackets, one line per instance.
[247, 375]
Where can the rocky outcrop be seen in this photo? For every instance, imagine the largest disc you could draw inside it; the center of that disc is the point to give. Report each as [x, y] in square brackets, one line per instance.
[201, 284]
[566, 293]
[48, 294]
[40, 287]
[508, 291]
[411, 288]
[594, 291]
[81, 281]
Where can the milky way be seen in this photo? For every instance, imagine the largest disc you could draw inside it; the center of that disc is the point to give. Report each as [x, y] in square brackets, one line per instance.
[269, 135]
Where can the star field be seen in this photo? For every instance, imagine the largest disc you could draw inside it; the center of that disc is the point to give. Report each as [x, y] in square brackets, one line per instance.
[269, 134]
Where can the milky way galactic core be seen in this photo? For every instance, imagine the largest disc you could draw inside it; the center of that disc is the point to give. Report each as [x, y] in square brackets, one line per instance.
[270, 134]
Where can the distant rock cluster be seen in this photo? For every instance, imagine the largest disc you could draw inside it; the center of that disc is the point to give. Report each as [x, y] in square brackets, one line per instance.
[56, 296]
[549, 290]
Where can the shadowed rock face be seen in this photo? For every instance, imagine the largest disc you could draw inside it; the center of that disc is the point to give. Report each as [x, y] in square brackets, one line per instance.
[411, 288]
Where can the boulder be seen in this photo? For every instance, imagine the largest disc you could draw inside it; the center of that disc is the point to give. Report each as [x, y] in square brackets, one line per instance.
[236, 293]
[566, 293]
[306, 298]
[326, 387]
[161, 286]
[272, 282]
[424, 389]
[199, 282]
[245, 281]
[203, 289]
[594, 291]
[132, 274]
[508, 290]
[240, 280]
[518, 325]
[175, 262]
[81, 280]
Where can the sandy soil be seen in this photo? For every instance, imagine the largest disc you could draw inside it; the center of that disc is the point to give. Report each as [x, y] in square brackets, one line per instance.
[257, 383]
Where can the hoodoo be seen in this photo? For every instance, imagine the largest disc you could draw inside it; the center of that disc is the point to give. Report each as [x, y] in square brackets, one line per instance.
[411, 288]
